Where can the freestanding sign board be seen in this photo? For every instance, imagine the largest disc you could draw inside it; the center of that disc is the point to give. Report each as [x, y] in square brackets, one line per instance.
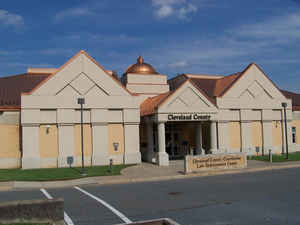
[199, 163]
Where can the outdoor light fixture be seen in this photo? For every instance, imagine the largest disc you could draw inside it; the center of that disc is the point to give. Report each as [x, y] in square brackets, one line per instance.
[284, 105]
[81, 101]
[47, 129]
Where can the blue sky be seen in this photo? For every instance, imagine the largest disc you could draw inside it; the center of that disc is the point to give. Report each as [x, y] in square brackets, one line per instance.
[175, 36]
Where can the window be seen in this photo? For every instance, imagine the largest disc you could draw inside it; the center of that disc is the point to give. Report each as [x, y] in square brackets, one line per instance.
[293, 134]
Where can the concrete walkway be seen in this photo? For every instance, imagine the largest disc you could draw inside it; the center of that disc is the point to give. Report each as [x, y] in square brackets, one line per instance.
[147, 172]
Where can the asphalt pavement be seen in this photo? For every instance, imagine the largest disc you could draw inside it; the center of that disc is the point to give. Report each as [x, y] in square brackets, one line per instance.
[266, 198]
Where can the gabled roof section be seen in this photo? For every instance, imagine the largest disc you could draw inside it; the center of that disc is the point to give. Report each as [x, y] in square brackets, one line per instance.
[82, 52]
[223, 84]
[238, 76]
[211, 85]
[150, 104]
[11, 88]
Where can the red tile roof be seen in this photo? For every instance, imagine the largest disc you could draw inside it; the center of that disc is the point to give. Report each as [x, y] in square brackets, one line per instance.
[11, 88]
[211, 86]
[149, 105]
[223, 84]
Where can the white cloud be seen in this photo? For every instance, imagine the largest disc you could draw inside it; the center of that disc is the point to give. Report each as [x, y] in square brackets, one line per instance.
[73, 12]
[178, 64]
[178, 8]
[270, 42]
[164, 11]
[167, 2]
[21, 64]
[4, 53]
[280, 29]
[184, 11]
[7, 18]
[104, 38]
[57, 51]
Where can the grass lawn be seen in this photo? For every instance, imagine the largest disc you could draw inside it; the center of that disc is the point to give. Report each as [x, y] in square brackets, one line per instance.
[57, 173]
[295, 156]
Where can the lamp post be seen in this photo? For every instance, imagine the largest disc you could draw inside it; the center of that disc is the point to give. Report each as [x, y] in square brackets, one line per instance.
[81, 101]
[284, 105]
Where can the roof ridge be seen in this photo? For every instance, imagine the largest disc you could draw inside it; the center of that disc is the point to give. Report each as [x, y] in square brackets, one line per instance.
[12, 76]
[290, 92]
[78, 54]
[179, 75]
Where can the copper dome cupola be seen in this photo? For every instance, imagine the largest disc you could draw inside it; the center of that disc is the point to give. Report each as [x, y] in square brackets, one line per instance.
[141, 67]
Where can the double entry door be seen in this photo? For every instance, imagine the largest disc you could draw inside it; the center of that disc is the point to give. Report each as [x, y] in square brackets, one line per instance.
[173, 146]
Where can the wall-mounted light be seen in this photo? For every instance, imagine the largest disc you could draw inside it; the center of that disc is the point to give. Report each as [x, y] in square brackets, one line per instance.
[48, 129]
[116, 145]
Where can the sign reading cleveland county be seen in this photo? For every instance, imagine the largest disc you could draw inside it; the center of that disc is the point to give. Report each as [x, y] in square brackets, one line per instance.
[194, 116]
[211, 162]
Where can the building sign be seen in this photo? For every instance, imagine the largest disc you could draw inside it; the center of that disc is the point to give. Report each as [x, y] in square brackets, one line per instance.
[195, 116]
[211, 162]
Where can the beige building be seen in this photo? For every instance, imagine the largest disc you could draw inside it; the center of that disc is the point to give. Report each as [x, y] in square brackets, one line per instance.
[142, 115]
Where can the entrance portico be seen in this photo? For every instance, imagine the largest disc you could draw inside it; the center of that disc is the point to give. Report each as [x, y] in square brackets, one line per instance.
[182, 123]
[177, 139]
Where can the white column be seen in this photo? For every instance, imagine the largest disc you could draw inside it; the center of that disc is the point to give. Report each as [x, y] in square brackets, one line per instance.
[246, 135]
[30, 142]
[267, 132]
[223, 131]
[132, 143]
[163, 157]
[65, 144]
[150, 147]
[100, 144]
[213, 137]
[199, 149]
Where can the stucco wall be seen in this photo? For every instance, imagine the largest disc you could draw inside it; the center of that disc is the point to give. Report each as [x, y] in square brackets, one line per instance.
[256, 134]
[10, 152]
[87, 143]
[48, 145]
[116, 135]
[235, 136]
[277, 136]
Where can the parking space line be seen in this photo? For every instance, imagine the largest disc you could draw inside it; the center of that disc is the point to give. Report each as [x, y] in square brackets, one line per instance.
[115, 211]
[67, 219]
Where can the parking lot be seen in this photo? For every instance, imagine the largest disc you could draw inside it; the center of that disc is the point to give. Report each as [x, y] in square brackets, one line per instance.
[270, 197]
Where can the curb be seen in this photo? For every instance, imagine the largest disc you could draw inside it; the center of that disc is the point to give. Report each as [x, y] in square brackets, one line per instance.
[194, 175]
[17, 185]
